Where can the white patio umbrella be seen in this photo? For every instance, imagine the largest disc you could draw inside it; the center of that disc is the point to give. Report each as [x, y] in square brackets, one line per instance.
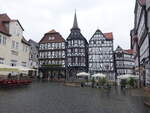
[99, 75]
[126, 76]
[83, 74]
[7, 68]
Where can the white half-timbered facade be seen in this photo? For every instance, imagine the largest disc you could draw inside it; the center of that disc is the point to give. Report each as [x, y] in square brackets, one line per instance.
[124, 61]
[101, 54]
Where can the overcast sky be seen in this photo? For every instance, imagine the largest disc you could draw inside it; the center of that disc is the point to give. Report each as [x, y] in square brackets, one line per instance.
[40, 16]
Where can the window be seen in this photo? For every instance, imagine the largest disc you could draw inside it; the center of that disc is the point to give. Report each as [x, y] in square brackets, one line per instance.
[13, 62]
[13, 45]
[63, 45]
[50, 62]
[62, 62]
[4, 40]
[23, 64]
[75, 43]
[56, 45]
[1, 60]
[59, 54]
[49, 54]
[41, 46]
[49, 45]
[69, 51]
[119, 55]
[17, 45]
[51, 38]
[53, 45]
[0, 39]
[63, 54]
[45, 46]
[76, 50]
[69, 43]
[53, 54]
[26, 48]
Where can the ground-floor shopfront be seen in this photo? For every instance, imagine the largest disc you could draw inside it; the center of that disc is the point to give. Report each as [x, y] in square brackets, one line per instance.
[52, 72]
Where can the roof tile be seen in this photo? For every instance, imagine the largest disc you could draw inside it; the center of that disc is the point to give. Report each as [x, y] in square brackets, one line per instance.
[109, 35]
[4, 19]
[52, 37]
[129, 51]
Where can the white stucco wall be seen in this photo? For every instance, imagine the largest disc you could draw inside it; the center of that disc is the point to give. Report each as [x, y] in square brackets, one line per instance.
[6, 50]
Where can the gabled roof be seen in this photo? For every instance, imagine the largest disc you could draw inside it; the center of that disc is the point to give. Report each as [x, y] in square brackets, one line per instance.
[52, 37]
[18, 23]
[142, 2]
[98, 32]
[118, 48]
[129, 51]
[25, 41]
[33, 42]
[52, 31]
[109, 35]
[105, 35]
[4, 19]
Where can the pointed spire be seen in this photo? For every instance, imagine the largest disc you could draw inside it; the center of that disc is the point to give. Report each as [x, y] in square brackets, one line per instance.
[75, 23]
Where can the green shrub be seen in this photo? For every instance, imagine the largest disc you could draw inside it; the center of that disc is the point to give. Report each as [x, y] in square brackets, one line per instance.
[102, 81]
[131, 81]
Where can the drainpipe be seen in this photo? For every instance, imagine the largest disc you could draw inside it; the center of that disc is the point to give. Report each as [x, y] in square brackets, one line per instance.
[139, 65]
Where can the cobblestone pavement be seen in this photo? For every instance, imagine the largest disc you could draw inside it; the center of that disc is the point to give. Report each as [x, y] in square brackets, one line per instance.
[55, 98]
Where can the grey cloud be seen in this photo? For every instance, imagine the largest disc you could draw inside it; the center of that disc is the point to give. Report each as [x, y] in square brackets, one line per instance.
[39, 16]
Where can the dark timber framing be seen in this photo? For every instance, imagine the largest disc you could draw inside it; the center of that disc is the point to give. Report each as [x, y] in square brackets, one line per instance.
[101, 58]
[52, 56]
[76, 52]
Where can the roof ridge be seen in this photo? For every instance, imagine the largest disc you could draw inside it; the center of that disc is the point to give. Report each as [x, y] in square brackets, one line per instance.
[52, 31]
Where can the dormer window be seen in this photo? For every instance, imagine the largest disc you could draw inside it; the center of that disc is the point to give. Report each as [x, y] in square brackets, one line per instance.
[51, 38]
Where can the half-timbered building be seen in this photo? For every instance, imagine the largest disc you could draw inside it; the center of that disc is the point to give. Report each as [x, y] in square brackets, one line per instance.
[52, 55]
[124, 61]
[77, 51]
[101, 54]
[140, 41]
